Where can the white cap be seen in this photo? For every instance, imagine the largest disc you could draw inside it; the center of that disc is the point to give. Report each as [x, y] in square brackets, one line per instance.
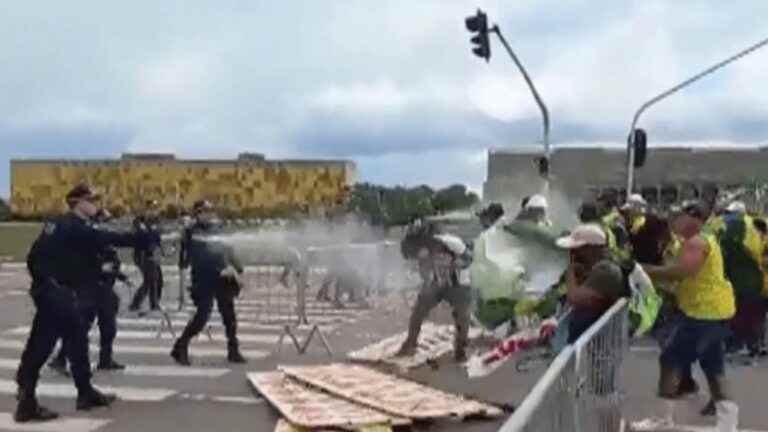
[537, 201]
[583, 235]
[635, 201]
[736, 207]
[453, 243]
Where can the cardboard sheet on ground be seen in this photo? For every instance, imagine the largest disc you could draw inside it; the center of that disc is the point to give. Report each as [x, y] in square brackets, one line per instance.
[434, 341]
[311, 408]
[388, 393]
[514, 260]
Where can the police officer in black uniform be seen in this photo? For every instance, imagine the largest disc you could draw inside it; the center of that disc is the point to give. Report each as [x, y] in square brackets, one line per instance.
[215, 275]
[147, 258]
[63, 262]
[102, 303]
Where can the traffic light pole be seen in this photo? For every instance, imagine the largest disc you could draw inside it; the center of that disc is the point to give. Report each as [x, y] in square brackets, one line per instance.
[671, 91]
[531, 86]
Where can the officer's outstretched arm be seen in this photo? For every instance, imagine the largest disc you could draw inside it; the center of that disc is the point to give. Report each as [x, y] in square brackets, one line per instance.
[100, 238]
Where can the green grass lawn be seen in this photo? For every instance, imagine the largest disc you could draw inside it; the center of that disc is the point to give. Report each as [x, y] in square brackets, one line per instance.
[15, 239]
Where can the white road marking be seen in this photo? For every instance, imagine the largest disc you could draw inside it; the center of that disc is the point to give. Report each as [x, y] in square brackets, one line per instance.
[143, 349]
[201, 397]
[132, 394]
[152, 335]
[63, 424]
[241, 325]
[146, 370]
[645, 349]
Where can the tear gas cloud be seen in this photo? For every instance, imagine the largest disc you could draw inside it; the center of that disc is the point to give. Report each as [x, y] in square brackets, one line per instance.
[358, 253]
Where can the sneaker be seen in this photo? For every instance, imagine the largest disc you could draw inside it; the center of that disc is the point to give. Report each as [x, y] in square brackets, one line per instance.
[94, 399]
[652, 424]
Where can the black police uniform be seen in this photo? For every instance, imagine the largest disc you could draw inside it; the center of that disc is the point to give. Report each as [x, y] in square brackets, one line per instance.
[147, 259]
[208, 259]
[63, 262]
[102, 303]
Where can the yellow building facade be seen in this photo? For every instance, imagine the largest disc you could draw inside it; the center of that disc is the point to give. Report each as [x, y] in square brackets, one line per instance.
[247, 186]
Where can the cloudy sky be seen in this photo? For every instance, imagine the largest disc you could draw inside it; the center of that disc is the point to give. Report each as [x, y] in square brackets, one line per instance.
[390, 84]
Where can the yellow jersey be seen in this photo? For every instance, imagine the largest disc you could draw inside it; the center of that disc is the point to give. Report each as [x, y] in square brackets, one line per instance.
[708, 295]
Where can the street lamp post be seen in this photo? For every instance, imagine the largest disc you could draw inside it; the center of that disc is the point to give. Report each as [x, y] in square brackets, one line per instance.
[667, 93]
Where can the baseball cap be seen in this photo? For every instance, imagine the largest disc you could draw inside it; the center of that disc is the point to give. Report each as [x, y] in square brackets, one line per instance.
[537, 201]
[82, 192]
[583, 235]
[201, 205]
[635, 201]
[736, 207]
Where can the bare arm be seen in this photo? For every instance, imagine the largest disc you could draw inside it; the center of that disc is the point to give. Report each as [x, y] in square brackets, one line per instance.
[690, 260]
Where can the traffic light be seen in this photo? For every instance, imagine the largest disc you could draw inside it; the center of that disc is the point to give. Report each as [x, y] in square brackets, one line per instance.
[543, 165]
[479, 24]
[639, 141]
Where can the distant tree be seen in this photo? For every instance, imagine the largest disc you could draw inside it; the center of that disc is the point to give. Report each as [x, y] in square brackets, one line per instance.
[5, 211]
[454, 197]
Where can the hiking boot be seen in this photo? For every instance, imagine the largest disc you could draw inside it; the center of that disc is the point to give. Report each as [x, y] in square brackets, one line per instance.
[709, 409]
[94, 399]
[59, 367]
[234, 356]
[180, 354]
[406, 350]
[110, 365]
[29, 411]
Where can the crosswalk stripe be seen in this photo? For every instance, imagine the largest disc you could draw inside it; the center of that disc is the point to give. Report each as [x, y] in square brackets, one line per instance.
[143, 349]
[226, 399]
[131, 394]
[241, 325]
[63, 424]
[152, 335]
[146, 370]
[272, 317]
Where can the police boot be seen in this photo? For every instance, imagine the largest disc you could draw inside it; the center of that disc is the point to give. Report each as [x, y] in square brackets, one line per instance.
[234, 355]
[109, 365]
[180, 353]
[93, 398]
[29, 410]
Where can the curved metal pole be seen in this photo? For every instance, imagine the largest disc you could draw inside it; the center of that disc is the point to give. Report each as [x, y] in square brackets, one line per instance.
[539, 101]
[675, 89]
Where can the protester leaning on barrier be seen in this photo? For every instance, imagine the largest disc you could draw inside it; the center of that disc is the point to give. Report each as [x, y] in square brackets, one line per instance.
[706, 300]
[594, 279]
[64, 263]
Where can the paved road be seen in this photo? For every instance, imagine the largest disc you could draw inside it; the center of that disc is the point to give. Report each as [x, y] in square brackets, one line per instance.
[157, 395]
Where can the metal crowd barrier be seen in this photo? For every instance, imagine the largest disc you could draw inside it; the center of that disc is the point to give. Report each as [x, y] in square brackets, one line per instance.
[581, 390]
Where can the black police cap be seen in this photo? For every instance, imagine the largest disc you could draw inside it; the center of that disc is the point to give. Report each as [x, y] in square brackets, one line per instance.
[82, 192]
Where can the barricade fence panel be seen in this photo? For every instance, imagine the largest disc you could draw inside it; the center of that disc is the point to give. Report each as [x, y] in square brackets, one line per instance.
[549, 407]
[581, 390]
